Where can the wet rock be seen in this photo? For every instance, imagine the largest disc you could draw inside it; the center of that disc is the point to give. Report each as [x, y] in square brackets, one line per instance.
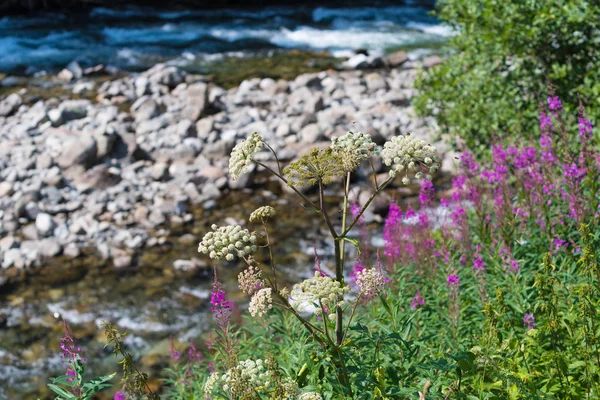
[396, 59]
[45, 224]
[10, 105]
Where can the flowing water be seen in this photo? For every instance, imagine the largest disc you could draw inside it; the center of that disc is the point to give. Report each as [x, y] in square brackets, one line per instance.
[136, 38]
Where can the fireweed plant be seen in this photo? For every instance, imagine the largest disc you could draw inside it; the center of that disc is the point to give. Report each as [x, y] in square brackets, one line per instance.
[490, 291]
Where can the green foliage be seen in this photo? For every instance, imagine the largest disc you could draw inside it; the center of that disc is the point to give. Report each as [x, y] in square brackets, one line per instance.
[69, 387]
[503, 55]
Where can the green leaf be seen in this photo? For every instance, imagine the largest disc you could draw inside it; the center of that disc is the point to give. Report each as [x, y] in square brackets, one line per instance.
[64, 395]
[353, 242]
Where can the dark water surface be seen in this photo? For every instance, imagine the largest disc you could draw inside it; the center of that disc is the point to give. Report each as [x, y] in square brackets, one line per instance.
[137, 38]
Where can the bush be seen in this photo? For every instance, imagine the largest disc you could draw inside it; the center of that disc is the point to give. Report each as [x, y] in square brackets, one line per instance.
[503, 55]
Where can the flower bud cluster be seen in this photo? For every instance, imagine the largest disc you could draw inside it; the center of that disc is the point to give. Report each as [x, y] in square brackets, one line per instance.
[406, 154]
[370, 282]
[262, 214]
[310, 396]
[321, 290]
[261, 302]
[247, 377]
[353, 147]
[250, 280]
[228, 242]
[241, 155]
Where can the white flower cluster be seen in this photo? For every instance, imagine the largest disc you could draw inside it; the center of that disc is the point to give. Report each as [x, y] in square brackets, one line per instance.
[211, 383]
[370, 282]
[262, 214]
[247, 376]
[241, 155]
[310, 396]
[261, 302]
[228, 242]
[404, 153]
[357, 144]
[321, 290]
[250, 280]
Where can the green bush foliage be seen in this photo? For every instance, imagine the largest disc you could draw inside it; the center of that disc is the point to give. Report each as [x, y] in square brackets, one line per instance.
[502, 57]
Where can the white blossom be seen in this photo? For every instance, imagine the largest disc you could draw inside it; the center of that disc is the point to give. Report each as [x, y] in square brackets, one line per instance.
[228, 242]
[310, 396]
[319, 290]
[262, 214]
[404, 154]
[241, 155]
[357, 144]
[261, 302]
[370, 282]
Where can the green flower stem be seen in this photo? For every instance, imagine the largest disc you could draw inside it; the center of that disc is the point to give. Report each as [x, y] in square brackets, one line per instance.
[271, 259]
[339, 270]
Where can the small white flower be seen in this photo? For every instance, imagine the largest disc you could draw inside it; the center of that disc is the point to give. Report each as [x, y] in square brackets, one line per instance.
[360, 145]
[370, 282]
[261, 302]
[320, 291]
[228, 242]
[407, 154]
[262, 214]
[211, 382]
[241, 155]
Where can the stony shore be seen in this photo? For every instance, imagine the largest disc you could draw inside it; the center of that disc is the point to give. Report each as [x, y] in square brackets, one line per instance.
[116, 172]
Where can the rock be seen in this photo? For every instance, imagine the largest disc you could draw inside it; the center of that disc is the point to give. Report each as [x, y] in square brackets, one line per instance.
[6, 189]
[8, 242]
[168, 76]
[311, 133]
[81, 87]
[431, 61]
[71, 250]
[49, 248]
[376, 82]
[44, 224]
[159, 171]
[66, 75]
[78, 150]
[357, 61]
[204, 127]
[10, 105]
[122, 261]
[13, 258]
[146, 110]
[396, 59]
[44, 161]
[196, 101]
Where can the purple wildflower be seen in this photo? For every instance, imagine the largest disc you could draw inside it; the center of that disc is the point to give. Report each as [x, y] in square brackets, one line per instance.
[389, 231]
[554, 104]
[478, 265]
[453, 280]
[417, 300]
[426, 194]
[175, 355]
[529, 321]
[585, 128]
[120, 396]
[358, 267]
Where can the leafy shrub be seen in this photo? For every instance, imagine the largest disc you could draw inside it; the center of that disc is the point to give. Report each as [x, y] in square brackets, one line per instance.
[503, 54]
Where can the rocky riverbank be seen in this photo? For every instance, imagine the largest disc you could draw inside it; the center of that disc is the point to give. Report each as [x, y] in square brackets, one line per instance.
[122, 162]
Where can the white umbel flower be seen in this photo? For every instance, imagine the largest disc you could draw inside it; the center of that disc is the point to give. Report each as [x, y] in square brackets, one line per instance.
[250, 280]
[246, 377]
[228, 242]
[261, 302]
[370, 282]
[359, 144]
[241, 155]
[318, 290]
[404, 154]
[262, 214]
